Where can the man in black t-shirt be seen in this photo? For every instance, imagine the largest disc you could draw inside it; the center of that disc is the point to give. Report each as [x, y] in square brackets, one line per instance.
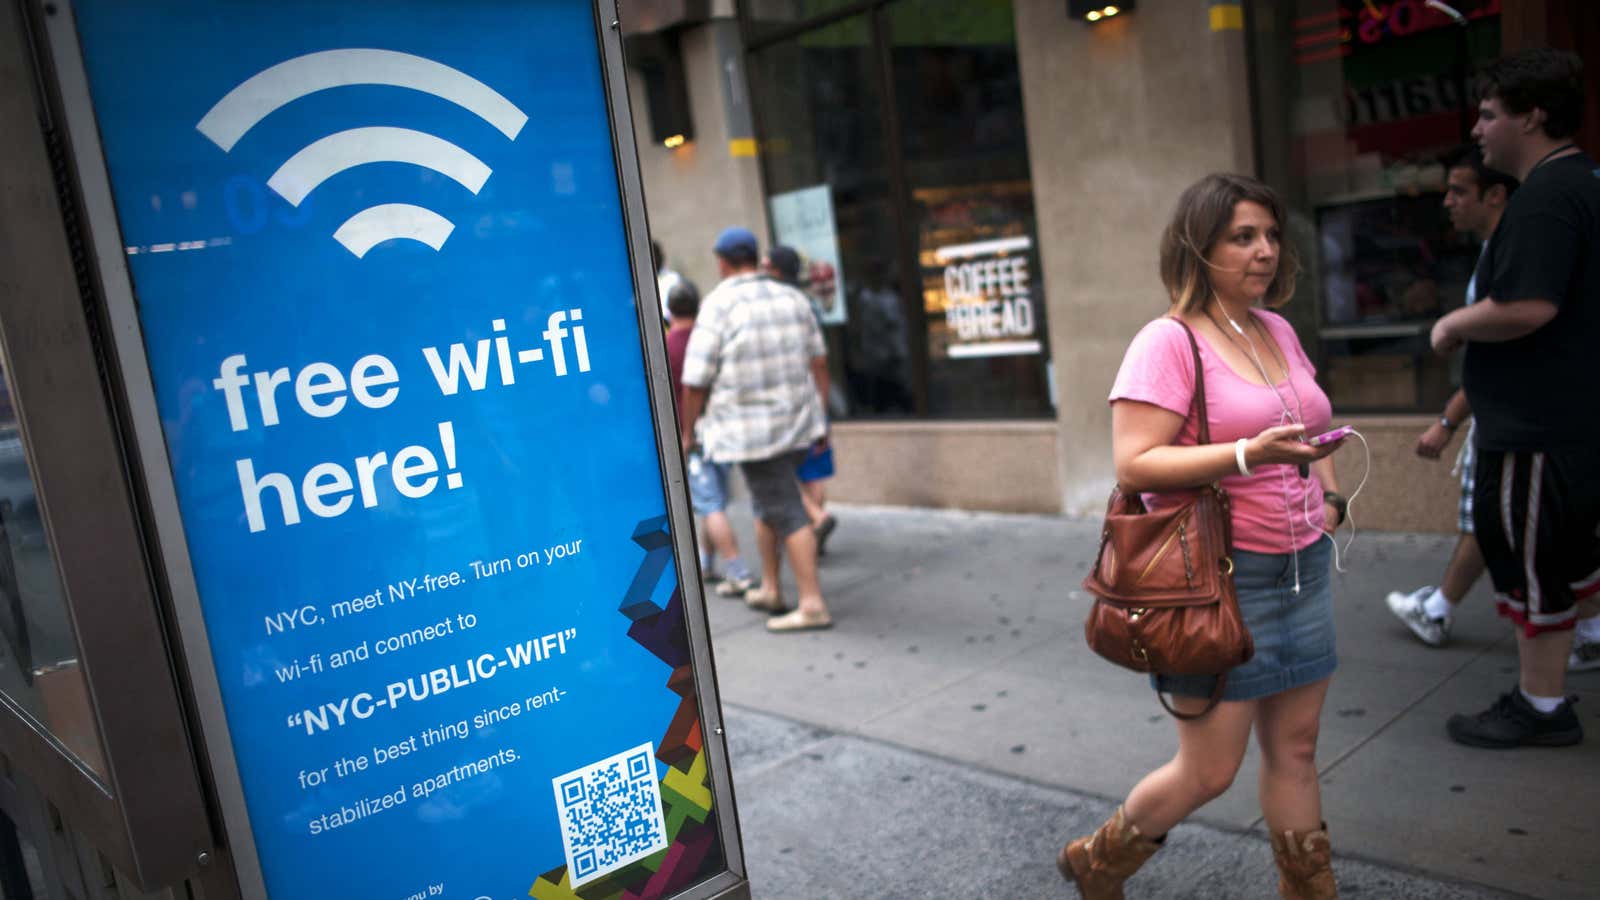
[1531, 346]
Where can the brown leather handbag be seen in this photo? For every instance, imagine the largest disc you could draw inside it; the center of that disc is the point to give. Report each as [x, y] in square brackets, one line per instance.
[1163, 581]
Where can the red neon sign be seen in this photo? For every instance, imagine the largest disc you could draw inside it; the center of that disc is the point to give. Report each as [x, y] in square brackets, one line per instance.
[1377, 21]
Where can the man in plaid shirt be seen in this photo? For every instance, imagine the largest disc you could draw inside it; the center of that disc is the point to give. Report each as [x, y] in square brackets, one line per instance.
[757, 370]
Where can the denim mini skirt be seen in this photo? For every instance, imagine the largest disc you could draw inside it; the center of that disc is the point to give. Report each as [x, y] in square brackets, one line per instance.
[1293, 633]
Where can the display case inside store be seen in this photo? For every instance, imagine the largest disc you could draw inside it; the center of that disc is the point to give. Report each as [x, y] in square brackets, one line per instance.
[1388, 267]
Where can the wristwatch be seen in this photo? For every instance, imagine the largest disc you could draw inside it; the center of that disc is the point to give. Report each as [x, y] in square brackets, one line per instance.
[1338, 502]
[1445, 421]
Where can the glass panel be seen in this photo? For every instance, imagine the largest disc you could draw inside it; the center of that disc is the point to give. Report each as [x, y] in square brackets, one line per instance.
[821, 116]
[958, 94]
[39, 669]
[1372, 95]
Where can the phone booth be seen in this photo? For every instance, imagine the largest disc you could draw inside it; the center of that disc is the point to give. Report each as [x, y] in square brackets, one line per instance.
[345, 550]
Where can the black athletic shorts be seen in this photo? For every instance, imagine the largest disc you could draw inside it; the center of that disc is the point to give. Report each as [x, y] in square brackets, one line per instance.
[1536, 515]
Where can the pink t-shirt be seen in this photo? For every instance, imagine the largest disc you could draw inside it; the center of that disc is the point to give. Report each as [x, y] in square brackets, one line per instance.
[1271, 506]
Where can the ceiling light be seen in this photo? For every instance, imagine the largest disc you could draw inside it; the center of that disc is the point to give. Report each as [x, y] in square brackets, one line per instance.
[1094, 11]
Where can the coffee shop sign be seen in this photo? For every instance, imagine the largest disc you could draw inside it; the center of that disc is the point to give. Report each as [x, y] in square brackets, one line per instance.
[990, 303]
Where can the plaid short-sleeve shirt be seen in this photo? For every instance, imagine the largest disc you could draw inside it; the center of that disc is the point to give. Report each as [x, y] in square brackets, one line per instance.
[752, 347]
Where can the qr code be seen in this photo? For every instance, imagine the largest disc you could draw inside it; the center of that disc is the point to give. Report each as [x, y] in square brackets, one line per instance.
[610, 813]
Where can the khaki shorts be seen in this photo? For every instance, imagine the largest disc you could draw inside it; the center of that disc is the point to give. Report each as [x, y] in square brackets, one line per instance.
[775, 492]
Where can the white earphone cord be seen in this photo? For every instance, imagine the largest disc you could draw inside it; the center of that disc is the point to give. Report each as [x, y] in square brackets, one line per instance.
[1283, 477]
[1349, 516]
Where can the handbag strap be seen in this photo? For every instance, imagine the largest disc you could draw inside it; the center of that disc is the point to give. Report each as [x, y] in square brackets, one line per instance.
[1216, 697]
[1203, 437]
[1199, 403]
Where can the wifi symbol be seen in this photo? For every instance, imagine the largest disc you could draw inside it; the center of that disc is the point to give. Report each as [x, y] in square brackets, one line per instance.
[266, 91]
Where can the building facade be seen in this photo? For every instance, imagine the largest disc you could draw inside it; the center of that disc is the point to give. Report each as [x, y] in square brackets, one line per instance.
[977, 188]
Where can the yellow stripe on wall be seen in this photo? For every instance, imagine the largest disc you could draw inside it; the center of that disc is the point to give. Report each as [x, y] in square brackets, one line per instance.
[1227, 17]
[742, 147]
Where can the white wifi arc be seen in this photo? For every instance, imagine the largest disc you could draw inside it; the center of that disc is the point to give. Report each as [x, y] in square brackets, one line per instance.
[266, 91]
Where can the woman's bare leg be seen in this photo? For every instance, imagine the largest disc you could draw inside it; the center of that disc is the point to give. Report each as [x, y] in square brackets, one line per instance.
[1210, 750]
[1286, 728]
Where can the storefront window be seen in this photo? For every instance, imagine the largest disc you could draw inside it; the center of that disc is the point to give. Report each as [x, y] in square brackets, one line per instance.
[1359, 102]
[958, 95]
[820, 111]
[894, 151]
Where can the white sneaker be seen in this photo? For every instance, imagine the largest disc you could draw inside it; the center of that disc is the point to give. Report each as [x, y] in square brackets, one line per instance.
[1585, 654]
[1409, 609]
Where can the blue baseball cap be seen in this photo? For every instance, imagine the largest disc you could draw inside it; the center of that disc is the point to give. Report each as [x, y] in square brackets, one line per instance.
[734, 238]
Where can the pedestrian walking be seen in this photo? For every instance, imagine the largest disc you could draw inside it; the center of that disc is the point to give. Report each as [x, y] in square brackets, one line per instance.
[667, 278]
[1223, 263]
[708, 481]
[757, 369]
[783, 263]
[1530, 342]
[1475, 198]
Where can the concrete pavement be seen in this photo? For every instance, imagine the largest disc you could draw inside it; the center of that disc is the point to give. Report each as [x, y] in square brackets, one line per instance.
[952, 729]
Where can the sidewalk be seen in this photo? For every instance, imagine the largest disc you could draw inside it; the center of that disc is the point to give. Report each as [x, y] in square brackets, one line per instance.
[952, 730]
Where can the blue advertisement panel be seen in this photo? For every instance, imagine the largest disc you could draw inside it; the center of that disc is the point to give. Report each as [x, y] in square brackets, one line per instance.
[380, 263]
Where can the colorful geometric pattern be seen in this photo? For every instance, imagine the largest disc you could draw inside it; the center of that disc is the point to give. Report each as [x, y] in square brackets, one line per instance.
[693, 851]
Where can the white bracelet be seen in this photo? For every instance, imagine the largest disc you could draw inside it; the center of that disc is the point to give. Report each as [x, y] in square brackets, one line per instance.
[1238, 455]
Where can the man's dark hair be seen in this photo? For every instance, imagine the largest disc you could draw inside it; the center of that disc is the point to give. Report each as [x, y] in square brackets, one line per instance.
[683, 301]
[1551, 80]
[740, 257]
[1470, 156]
[785, 263]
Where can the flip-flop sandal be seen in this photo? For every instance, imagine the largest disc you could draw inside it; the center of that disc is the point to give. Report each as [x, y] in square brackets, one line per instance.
[798, 620]
[771, 603]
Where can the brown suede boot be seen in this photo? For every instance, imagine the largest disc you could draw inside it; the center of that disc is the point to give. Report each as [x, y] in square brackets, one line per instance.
[1100, 863]
[1305, 865]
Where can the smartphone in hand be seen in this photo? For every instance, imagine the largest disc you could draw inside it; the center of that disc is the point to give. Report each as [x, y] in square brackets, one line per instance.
[1328, 437]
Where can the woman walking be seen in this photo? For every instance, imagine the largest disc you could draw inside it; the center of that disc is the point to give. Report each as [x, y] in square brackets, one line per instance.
[1222, 261]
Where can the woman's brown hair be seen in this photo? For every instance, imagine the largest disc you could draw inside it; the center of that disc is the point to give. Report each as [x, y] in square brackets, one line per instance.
[1201, 219]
